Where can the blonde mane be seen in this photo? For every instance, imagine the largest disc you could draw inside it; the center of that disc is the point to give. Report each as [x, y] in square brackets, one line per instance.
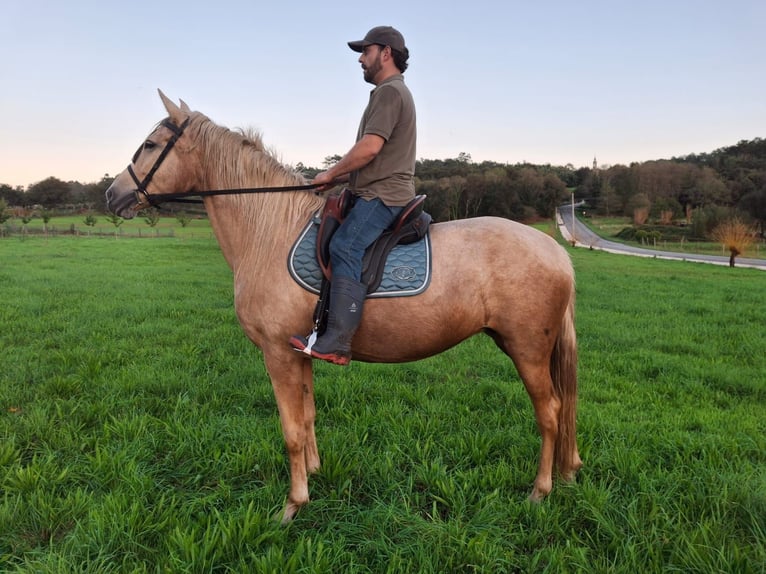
[239, 159]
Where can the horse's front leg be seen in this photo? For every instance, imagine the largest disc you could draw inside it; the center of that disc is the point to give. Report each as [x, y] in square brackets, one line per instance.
[309, 417]
[287, 379]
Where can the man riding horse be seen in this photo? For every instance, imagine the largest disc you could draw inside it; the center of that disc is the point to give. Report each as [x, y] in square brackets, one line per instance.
[380, 170]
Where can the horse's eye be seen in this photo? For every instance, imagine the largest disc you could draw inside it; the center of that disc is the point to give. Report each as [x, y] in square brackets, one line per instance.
[147, 145]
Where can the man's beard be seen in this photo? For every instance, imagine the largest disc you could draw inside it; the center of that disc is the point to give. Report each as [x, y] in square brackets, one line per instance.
[372, 71]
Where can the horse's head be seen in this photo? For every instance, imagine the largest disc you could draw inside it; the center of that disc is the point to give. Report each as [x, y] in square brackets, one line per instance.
[156, 166]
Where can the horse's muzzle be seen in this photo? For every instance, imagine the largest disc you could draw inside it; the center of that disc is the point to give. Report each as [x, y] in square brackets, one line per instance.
[121, 203]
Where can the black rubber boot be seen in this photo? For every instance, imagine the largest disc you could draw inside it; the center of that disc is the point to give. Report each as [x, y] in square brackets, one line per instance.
[346, 305]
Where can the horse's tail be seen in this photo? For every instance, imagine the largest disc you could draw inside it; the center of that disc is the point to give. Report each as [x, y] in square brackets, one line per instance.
[564, 375]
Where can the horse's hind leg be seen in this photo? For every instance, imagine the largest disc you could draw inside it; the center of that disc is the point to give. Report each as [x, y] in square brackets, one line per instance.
[537, 380]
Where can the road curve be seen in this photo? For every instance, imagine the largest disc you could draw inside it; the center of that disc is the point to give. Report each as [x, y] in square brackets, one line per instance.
[584, 237]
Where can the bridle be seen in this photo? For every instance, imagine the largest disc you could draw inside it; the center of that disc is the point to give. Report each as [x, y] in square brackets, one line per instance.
[141, 185]
[143, 197]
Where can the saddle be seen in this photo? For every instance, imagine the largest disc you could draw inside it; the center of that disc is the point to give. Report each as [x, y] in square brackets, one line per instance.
[410, 226]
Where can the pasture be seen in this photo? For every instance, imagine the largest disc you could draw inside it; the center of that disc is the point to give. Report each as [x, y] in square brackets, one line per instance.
[138, 431]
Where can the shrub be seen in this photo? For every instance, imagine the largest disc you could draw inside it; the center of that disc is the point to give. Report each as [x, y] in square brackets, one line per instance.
[735, 235]
[183, 219]
[5, 215]
[152, 217]
[705, 219]
[666, 209]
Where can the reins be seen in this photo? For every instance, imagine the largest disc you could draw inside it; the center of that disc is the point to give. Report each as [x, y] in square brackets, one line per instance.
[185, 196]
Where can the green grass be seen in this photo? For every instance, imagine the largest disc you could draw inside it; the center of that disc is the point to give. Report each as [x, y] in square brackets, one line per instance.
[138, 431]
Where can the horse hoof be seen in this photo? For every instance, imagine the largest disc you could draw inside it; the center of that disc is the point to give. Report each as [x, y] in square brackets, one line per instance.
[569, 476]
[538, 493]
[535, 497]
[287, 515]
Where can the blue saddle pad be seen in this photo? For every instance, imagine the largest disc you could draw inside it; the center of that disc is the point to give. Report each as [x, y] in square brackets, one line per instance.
[407, 271]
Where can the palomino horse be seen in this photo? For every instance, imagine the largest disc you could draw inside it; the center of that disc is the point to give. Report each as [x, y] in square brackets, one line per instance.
[489, 275]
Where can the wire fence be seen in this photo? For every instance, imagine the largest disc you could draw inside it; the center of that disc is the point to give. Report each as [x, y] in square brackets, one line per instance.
[98, 231]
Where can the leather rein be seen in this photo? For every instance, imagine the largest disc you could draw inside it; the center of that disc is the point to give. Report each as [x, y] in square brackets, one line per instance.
[154, 200]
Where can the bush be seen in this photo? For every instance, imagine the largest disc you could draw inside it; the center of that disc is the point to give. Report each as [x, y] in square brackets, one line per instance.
[705, 219]
[5, 215]
[735, 235]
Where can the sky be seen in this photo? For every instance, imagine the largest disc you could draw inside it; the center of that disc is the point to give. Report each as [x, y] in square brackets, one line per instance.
[509, 81]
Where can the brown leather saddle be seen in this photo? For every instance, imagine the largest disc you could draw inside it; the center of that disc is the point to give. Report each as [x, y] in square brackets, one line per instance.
[410, 226]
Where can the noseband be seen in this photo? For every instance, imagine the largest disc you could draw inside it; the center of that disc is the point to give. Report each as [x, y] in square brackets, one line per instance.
[141, 185]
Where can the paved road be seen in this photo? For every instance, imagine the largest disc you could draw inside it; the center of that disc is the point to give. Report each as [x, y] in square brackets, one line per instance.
[586, 238]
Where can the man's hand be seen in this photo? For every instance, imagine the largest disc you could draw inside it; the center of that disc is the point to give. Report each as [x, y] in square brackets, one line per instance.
[325, 180]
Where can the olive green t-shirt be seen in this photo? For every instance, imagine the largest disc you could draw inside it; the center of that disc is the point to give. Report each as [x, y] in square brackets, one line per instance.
[390, 114]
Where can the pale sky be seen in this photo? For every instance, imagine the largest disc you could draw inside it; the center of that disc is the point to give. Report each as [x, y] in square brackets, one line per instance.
[509, 81]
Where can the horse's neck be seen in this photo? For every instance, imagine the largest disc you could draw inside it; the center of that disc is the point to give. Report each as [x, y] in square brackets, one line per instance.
[250, 228]
[257, 229]
[227, 226]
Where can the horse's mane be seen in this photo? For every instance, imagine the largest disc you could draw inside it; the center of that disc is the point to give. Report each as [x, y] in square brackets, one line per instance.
[239, 159]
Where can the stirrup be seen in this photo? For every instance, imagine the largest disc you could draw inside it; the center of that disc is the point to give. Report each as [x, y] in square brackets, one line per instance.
[304, 344]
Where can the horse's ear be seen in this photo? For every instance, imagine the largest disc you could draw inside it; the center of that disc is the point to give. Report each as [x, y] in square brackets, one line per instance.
[185, 107]
[176, 114]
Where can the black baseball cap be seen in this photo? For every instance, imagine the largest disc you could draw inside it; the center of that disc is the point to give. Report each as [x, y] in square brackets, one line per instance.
[383, 35]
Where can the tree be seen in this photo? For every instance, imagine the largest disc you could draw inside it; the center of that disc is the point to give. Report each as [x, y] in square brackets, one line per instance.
[10, 195]
[115, 220]
[152, 217]
[709, 189]
[754, 204]
[26, 217]
[666, 209]
[331, 160]
[90, 220]
[92, 195]
[49, 193]
[452, 189]
[639, 207]
[183, 219]
[735, 235]
[46, 216]
[4, 215]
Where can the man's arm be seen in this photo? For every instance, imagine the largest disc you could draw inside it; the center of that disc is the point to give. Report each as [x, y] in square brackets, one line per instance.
[363, 152]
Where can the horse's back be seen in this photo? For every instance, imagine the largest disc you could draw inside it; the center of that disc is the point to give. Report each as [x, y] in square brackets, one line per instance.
[495, 243]
[488, 273]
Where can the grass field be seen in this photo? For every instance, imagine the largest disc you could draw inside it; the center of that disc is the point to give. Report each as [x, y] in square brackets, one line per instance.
[138, 431]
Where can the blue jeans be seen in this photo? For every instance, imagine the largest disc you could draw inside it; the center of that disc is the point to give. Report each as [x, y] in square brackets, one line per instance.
[362, 226]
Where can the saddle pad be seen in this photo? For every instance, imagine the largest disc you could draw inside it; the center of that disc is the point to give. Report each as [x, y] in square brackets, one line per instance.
[407, 271]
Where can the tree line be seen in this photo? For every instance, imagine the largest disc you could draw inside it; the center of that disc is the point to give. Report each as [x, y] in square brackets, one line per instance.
[693, 188]
[701, 188]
